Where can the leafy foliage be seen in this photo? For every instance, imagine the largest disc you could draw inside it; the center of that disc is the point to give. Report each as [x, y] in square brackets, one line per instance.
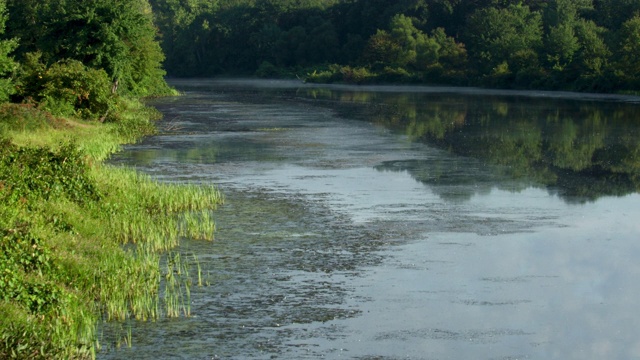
[63, 219]
[40, 173]
[7, 64]
[115, 36]
[628, 63]
[509, 37]
[67, 88]
[23, 254]
[23, 117]
[557, 44]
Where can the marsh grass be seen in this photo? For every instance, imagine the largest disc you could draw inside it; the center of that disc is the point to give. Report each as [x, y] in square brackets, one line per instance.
[177, 286]
[83, 241]
[141, 210]
[122, 336]
[199, 269]
[128, 336]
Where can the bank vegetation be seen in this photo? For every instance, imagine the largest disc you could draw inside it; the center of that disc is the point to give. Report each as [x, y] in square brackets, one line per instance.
[80, 240]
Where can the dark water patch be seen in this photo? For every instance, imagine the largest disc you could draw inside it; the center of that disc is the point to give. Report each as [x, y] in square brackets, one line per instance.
[494, 303]
[517, 279]
[472, 336]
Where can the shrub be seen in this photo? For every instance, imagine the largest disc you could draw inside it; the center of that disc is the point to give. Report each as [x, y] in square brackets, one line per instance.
[67, 88]
[356, 75]
[267, 70]
[70, 88]
[27, 173]
[390, 74]
[23, 117]
[325, 76]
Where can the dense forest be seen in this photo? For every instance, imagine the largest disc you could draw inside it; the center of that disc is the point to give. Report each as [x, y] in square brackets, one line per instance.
[587, 45]
[72, 57]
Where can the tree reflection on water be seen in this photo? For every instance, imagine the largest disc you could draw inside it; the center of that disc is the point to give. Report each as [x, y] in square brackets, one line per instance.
[580, 150]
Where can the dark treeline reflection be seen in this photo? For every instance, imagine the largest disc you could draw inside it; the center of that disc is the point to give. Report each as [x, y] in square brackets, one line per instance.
[579, 150]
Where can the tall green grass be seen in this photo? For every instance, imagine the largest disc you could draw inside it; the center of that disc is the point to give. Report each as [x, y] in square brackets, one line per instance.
[81, 241]
[138, 209]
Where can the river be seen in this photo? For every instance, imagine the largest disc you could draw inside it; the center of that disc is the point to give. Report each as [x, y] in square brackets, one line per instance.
[402, 223]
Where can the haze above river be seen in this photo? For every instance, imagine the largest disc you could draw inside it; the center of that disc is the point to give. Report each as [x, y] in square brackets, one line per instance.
[402, 223]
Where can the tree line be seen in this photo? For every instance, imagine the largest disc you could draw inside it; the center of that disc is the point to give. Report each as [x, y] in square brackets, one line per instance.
[46, 46]
[589, 45]
[75, 57]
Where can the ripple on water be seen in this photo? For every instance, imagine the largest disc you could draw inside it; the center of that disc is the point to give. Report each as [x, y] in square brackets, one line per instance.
[342, 239]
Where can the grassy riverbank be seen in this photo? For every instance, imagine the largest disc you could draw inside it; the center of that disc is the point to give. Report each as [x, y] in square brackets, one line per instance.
[64, 218]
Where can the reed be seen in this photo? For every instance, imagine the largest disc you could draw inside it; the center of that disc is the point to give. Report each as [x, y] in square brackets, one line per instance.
[199, 269]
[99, 232]
[208, 281]
[149, 205]
[177, 286]
[186, 303]
[123, 336]
[171, 297]
[128, 338]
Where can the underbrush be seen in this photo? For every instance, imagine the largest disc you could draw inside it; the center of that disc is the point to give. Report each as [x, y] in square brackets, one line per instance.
[383, 74]
[64, 218]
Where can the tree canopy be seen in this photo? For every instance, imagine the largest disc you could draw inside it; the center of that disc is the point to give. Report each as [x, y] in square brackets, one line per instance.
[587, 45]
[7, 64]
[117, 36]
[556, 44]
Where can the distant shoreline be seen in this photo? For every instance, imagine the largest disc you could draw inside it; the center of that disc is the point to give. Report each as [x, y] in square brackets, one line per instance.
[389, 88]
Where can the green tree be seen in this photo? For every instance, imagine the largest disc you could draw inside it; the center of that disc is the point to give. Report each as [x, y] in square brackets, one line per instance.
[407, 36]
[504, 38]
[628, 54]
[67, 88]
[352, 48]
[265, 42]
[7, 64]
[185, 27]
[561, 44]
[593, 56]
[611, 14]
[563, 20]
[383, 49]
[291, 46]
[323, 41]
[115, 35]
[418, 49]
[427, 52]
[452, 55]
[23, 22]
[558, 12]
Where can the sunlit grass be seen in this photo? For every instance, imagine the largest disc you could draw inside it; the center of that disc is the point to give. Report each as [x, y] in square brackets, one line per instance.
[177, 287]
[138, 208]
[100, 256]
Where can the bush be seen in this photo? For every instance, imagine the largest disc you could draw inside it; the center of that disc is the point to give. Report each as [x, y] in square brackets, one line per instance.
[39, 173]
[267, 70]
[23, 117]
[325, 76]
[67, 88]
[23, 259]
[70, 88]
[356, 75]
[390, 74]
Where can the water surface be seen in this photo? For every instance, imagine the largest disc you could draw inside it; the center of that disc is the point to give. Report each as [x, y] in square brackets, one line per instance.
[403, 223]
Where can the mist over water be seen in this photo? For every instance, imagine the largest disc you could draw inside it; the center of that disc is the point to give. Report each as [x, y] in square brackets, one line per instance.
[402, 223]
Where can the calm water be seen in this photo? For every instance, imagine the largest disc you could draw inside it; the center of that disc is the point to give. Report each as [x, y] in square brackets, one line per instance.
[402, 223]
